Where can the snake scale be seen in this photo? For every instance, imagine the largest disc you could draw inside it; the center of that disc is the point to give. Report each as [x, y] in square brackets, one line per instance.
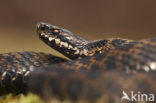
[101, 68]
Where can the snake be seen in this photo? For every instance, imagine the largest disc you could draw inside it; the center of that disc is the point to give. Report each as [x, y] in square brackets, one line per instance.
[95, 68]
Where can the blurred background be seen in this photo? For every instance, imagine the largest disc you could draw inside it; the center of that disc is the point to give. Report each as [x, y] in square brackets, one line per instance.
[91, 19]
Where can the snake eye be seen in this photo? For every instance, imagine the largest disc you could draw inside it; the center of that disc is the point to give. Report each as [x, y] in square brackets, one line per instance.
[56, 31]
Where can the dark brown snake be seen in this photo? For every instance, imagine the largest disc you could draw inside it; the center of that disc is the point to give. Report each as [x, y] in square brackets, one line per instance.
[101, 68]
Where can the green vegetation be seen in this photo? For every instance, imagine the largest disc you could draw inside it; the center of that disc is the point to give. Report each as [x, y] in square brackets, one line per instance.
[30, 98]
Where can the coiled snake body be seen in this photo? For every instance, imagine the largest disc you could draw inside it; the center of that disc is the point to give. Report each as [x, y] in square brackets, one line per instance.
[98, 68]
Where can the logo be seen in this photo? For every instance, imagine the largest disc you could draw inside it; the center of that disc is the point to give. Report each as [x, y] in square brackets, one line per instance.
[137, 97]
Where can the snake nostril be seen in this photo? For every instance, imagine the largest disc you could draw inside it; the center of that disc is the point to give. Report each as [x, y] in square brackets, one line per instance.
[41, 26]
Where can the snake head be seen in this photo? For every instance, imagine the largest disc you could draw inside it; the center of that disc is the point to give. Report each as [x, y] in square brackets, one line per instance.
[60, 39]
[53, 35]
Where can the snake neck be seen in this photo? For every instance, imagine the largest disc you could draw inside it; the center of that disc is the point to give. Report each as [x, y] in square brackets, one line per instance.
[78, 48]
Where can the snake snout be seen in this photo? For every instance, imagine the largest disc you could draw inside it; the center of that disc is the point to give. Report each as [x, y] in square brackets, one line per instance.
[41, 27]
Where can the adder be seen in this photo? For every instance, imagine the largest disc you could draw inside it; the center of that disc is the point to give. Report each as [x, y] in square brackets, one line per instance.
[112, 62]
